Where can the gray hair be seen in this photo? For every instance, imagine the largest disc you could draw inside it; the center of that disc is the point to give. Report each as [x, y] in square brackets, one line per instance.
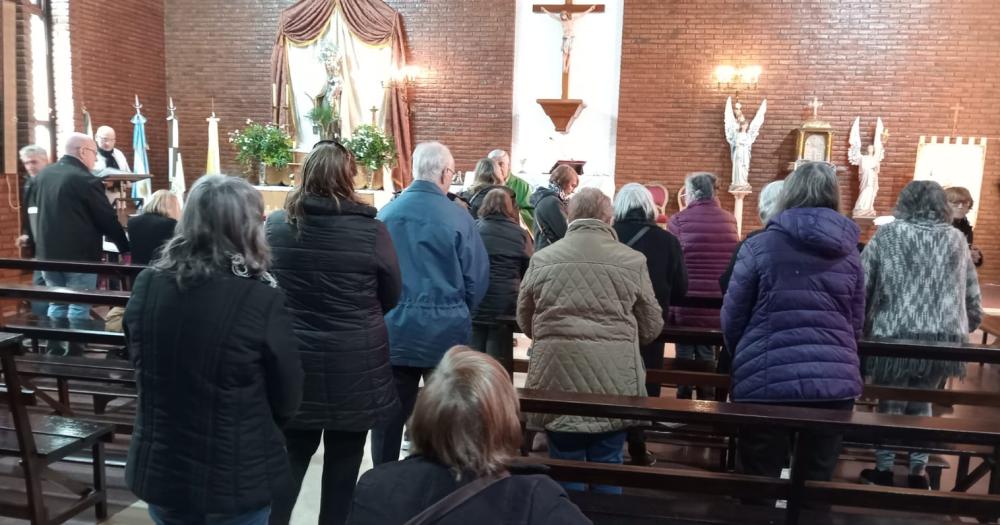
[430, 159]
[75, 142]
[923, 200]
[103, 131]
[498, 154]
[466, 417]
[768, 203]
[33, 150]
[700, 186]
[811, 185]
[590, 203]
[634, 196]
[220, 231]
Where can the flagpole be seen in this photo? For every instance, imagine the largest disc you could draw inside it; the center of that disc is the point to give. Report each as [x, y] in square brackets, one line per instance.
[140, 164]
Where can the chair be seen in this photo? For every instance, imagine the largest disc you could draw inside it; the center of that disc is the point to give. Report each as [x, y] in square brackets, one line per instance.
[661, 195]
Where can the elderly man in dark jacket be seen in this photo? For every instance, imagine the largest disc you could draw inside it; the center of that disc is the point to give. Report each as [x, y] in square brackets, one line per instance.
[509, 248]
[445, 272]
[69, 214]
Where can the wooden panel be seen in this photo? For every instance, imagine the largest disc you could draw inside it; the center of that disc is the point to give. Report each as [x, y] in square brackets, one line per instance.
[8, 96]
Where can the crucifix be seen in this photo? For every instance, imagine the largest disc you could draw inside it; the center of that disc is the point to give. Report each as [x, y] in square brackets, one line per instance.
[564, 110]
[815, 105]
[957, 108]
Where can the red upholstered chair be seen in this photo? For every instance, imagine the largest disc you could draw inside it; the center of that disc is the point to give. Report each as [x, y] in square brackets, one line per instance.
[661, 195]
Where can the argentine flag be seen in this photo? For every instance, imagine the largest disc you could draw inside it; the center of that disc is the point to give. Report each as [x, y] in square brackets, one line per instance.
[140, 164]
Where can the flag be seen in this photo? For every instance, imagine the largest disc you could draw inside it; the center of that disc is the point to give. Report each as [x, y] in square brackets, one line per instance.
[212, 163]
[177, 184]
[88, 128]
[140, 162]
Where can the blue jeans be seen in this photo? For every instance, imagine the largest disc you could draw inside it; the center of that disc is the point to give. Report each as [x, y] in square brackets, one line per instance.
[697, 353]
[164, 516]
[39, 308]
[75, 281]
[598, 448]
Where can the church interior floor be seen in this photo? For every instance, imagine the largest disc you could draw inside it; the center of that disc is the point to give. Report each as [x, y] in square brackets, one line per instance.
[126, 510]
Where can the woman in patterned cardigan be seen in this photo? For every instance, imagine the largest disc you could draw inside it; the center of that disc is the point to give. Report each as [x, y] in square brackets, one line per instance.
[920, 283]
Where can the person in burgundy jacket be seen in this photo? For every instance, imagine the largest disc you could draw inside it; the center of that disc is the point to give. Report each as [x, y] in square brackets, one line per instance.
[708, 238]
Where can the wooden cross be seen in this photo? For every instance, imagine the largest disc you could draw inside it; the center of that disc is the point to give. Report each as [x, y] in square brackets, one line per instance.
[815, 105]
[566, 10]
[957, 108]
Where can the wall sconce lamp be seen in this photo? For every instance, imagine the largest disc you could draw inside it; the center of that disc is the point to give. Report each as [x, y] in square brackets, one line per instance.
[745, 77]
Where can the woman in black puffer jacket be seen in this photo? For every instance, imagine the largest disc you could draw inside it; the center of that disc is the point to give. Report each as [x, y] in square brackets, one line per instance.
[338, 267]
[510, 249]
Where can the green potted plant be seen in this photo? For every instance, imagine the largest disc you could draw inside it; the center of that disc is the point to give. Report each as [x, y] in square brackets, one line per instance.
[326, 121]
[262, 146]
[372, 150]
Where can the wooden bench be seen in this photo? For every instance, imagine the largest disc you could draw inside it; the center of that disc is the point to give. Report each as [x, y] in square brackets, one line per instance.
[105, 379]
[878, 428]
[40, 441]
[90, 331]
[57, 294]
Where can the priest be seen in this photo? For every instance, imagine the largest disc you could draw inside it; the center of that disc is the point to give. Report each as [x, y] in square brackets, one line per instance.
[108, 156]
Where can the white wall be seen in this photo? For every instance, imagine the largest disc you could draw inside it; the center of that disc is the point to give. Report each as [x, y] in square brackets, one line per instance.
[594, 77]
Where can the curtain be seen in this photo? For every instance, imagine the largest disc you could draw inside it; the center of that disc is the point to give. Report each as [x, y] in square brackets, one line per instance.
[375, 23]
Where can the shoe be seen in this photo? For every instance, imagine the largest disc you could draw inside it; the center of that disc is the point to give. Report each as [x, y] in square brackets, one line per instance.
[871, 476]
[643, 460]
[918, 481]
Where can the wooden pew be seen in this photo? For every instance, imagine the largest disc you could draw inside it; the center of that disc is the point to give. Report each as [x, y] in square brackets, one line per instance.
[797, 490]
[56, 294]
[40, 441]
[111, 269]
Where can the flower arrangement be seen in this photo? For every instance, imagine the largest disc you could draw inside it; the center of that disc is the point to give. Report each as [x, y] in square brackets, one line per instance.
[262, 143]
[371, 147]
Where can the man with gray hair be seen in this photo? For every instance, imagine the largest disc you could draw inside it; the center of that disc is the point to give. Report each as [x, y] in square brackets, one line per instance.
[522, 190]
[69, 215]
[708, 238]
[588, 304]
[445, 271]
[34, 158]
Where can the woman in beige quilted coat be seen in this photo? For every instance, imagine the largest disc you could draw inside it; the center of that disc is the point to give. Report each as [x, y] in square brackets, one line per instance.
[587, 303]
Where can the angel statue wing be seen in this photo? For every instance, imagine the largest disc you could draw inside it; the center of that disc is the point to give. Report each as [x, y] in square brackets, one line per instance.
[854, 151]
[758, 120]
[732, 127]
[879, 149]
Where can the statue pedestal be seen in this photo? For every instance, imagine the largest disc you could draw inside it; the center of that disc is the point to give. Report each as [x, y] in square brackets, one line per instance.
[739, 193]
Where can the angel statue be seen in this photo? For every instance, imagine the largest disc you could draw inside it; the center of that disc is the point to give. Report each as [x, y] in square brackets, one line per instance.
[567, 20]
[868, 167]
[741, 137]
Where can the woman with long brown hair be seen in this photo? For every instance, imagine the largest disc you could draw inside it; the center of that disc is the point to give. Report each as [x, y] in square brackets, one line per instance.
[338, 267]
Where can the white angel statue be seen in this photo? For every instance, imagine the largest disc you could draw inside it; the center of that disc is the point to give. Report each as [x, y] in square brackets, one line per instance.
[868, 165]
[741, 137]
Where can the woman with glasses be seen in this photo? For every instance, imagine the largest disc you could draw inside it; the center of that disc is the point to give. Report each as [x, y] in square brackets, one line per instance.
[920, 284]
[339, 269]
[216, 366]
[961, 203]
[792, 317]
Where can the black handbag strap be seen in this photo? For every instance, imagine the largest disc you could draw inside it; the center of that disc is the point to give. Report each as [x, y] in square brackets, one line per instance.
[635, 238]
[450, 502]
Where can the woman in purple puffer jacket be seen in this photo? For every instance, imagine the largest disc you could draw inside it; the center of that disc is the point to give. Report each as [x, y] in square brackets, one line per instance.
[793, 315]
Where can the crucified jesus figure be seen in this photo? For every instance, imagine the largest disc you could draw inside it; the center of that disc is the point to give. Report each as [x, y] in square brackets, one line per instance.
[567, 20]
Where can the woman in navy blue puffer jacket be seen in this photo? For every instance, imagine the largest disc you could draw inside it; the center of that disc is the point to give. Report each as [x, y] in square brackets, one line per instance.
[793, 313]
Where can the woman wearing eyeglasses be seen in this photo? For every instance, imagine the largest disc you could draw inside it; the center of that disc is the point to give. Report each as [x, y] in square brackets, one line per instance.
[961, 203]
[338, 267]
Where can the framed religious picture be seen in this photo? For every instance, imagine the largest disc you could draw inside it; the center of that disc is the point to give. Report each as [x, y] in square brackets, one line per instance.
[815, 143]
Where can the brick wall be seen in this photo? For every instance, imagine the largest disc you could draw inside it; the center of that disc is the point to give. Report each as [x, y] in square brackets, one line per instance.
[464, 101]
[906, 61]
[115, 58]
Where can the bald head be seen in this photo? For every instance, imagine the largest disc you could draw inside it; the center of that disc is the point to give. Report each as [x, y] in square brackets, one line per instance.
[105, 138]
[83, 148]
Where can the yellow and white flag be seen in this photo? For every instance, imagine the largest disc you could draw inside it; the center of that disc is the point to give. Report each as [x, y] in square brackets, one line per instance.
[212, 166]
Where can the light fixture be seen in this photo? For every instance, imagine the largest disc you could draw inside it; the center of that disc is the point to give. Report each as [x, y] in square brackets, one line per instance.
[744, 77]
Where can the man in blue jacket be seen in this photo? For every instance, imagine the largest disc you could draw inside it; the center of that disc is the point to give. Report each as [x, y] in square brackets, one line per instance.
[445, 272]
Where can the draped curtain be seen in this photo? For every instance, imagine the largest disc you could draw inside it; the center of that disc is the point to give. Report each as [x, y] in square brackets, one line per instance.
[373, 22]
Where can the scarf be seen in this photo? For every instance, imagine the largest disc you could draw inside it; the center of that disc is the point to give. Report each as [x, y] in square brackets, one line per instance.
[109, 158]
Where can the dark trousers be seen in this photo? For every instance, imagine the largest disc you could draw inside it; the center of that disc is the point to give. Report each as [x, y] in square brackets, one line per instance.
[763, 451]
[652, 359]
[342, 454]
[387, 438]
[497, 341]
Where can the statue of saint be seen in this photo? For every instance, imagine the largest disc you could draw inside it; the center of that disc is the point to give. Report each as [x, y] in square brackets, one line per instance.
[868, 165]
[741, 137]
[327, 122]
[567, 20]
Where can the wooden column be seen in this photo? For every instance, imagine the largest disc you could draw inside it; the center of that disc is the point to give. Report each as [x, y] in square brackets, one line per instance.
[8, 88]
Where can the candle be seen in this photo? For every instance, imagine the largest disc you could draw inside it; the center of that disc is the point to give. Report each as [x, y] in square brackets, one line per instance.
[288, 94]
[274, 95]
